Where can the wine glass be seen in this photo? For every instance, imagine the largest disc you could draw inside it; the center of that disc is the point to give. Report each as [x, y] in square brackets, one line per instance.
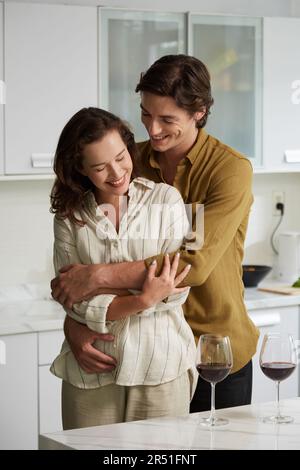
[278, 361]
[213, 362]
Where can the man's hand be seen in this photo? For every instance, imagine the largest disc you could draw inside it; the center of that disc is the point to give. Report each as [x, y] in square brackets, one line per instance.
[81, 339]
[76, 282]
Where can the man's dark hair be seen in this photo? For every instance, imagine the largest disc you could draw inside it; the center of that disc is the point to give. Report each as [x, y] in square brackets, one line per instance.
[182, 77]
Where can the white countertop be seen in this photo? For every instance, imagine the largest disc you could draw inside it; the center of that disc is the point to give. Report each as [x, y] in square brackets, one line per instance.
[255, 299]
[245, 431]
[29, 308]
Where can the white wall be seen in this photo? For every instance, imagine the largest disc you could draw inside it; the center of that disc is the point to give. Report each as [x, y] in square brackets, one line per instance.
[26, 232]
[262, 221]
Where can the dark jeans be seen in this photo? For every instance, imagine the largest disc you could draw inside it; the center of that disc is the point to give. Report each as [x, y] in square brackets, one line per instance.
[235, 390]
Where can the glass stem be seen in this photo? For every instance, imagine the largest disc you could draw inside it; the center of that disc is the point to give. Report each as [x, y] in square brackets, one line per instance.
[278, 405]
[212, 416]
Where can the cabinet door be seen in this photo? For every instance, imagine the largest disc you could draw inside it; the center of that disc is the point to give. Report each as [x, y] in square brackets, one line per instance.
[49, 386]
[285, 320]
[49, 401]
[231, 47]
[1, 92]
[18, 386]
[51, 72]
[281, 94]
[129, 43]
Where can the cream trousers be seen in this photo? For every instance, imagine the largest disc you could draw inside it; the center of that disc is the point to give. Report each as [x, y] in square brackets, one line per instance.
[115, 403]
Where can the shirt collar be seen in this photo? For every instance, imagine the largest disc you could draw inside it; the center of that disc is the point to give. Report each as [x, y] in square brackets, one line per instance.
[139, 181]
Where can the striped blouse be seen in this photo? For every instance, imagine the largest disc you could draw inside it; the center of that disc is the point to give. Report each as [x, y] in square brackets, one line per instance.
[156, 345]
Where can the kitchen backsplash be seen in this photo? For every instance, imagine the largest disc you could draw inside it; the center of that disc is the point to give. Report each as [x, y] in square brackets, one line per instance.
[26, 236]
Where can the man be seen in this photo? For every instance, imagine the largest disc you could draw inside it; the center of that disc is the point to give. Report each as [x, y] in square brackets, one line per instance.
[175, 103]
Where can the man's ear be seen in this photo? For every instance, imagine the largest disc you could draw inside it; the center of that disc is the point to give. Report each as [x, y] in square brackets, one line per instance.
[199, 114]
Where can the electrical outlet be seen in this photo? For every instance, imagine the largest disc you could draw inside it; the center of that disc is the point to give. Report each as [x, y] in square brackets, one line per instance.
[277, 196]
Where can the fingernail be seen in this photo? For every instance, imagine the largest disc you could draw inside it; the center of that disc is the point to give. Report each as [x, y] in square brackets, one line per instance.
[178, 254]
[153, 262]
[189, 266]
[167, 254]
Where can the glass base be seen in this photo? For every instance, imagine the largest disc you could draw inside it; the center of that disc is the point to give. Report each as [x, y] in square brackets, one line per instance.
[278, 419]
[212, 422]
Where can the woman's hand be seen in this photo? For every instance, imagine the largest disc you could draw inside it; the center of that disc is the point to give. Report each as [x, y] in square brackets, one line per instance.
[155, 289]
[81, 340]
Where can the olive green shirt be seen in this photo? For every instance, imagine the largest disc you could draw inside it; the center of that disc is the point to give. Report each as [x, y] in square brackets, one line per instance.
[219, 177]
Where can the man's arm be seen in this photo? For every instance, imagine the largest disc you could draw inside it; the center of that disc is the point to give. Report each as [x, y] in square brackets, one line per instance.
[227, 205]
[77, 282]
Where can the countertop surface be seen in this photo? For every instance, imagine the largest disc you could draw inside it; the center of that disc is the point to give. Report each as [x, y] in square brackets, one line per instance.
[245, 431]
[29, 308]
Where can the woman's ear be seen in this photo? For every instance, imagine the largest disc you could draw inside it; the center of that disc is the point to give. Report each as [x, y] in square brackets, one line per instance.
[82, 172]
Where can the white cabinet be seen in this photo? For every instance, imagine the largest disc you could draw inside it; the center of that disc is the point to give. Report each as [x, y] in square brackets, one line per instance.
[272, 320]
[281, 91]
[19, 389]
[49, 401]
[130, 41]
[1, 92]
[231, 47]
[30, 396]
[50, 72]
[49, 386]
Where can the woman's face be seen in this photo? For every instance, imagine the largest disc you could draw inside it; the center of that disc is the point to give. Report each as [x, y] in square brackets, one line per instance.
[107, 163]
[168, 125]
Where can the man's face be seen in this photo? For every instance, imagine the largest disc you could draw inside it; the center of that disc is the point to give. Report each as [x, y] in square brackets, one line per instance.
[168, 125]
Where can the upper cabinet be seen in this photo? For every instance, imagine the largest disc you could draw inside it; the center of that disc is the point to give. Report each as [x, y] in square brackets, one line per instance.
[281, 94]
[56, 59]
[50, 73]
[129, 43]
[231, 47]
[2, 92]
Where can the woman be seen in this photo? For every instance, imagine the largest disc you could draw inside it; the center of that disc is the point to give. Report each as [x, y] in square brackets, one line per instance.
[105, 214]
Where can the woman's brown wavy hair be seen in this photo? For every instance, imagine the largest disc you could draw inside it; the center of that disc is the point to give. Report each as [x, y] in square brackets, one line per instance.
[86, 126]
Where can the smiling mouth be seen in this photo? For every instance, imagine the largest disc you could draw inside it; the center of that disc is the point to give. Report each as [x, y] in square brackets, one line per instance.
[158, 138]
[118, 182]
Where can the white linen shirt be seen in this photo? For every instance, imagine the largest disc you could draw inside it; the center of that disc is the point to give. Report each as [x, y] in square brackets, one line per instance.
[156, 345]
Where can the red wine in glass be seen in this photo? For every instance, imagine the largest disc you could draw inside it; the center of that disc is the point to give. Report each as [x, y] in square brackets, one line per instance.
[213, 362]
[278, 370]
[213, 372]
[278, 362]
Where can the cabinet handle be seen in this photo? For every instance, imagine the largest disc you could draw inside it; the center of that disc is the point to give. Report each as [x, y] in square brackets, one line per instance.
[42, 160]
[292, 156]
[2, 352]
[2, 92]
